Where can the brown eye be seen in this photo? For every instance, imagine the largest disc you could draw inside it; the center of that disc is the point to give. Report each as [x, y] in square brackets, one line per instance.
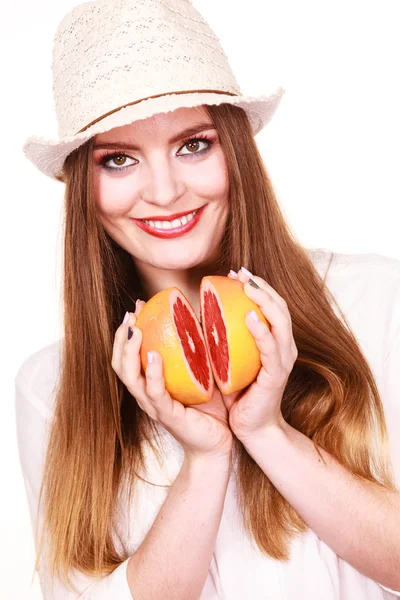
[196, 147]
[119, 159]
[193, 145]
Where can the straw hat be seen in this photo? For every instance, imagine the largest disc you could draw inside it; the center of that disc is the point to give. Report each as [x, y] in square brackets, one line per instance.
[118, 61]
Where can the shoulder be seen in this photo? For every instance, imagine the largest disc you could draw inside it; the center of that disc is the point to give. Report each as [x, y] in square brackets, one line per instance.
[364, 265]
[346, 274]
[37, 378]
[368, 264]
[368, 282]
[367, 289]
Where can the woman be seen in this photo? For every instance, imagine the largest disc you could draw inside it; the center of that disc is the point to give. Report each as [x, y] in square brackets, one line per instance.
[284, 490]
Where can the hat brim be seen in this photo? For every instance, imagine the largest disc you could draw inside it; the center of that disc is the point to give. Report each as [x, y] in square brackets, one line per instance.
[49, 155]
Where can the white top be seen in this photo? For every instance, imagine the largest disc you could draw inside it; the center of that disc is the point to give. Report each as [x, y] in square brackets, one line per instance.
[367, 288]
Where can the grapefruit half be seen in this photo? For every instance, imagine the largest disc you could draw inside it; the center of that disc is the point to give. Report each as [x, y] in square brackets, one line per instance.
[234, 356]
[169, 325]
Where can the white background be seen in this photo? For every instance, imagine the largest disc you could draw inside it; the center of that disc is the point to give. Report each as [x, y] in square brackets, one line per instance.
[332, 150]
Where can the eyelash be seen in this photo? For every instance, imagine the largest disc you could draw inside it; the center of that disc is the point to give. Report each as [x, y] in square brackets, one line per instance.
[108, 156]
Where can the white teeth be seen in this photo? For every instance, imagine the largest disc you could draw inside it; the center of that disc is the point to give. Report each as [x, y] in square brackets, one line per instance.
[171, 224]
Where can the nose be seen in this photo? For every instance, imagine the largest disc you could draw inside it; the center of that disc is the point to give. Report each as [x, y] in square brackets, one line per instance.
[161, 184]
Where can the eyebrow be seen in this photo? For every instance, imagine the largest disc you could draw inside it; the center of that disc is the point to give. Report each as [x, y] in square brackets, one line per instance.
[189, 131]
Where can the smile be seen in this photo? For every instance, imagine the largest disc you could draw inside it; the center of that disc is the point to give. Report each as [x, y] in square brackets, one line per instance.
[171, 224]
[173, 228]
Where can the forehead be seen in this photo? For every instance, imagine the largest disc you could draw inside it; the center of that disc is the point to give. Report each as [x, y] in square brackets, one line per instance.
[160, 125]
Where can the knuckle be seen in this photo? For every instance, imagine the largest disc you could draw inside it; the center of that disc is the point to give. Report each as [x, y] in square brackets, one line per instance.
[288, 321]
[265, 338]
[152, 377]
[127, 350]
[131, 384]
[118, 332]
[155, 392]
[280, 379]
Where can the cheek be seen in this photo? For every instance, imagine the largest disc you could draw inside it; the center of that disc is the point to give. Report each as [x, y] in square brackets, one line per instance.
[113, 196]
[211, 179]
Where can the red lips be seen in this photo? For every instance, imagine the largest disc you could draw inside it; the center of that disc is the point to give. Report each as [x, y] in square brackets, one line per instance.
[170, 233]
[168, 217]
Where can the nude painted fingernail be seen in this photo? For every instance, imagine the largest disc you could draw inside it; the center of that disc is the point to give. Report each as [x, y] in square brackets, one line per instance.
[254, 316]
[126, 317]
[246, 272]
[150, 358]
[234, 274]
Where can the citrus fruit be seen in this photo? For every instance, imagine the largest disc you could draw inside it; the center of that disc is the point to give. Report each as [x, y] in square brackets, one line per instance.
[169, 325]
[234, 356]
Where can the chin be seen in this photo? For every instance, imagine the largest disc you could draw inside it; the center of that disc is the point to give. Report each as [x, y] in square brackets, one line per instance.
[179, 262]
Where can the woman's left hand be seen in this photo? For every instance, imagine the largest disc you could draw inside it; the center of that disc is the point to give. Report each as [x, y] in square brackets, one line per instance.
[259, 406]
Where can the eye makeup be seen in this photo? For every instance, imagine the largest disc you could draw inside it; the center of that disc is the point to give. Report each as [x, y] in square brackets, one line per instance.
[107, 156]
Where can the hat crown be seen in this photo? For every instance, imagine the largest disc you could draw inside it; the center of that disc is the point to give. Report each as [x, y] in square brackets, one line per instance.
[110, 53]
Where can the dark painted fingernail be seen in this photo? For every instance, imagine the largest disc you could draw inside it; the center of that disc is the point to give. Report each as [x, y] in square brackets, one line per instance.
[130, 333]
[253, 283]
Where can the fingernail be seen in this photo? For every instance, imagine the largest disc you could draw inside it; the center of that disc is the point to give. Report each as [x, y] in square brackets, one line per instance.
[234, 274]
[126, 317]
[254, 284]
[130, 333]
[150, 358]
[246, 272]
[254, 316]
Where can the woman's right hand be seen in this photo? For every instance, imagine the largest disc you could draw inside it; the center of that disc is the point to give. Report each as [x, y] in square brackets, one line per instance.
[202, 431]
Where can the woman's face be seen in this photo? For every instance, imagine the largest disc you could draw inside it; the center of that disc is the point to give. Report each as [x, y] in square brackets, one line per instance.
[154, 173]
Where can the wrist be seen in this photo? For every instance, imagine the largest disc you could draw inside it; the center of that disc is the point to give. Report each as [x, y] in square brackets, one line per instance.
[209, 462]
[268, 433]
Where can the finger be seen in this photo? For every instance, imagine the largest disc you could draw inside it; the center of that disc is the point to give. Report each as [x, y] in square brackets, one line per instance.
[279, 320]
[131, 372]
[267, 346]
[131, 366]
[139, 306]
[244, 275]
[160, 399]
[232, 275]
[125, 358]
[119, 341]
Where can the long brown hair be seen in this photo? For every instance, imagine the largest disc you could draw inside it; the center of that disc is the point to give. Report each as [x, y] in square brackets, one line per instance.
[95, 440]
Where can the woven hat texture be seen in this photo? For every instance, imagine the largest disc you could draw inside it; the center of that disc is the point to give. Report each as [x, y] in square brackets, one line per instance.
[118, 61]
